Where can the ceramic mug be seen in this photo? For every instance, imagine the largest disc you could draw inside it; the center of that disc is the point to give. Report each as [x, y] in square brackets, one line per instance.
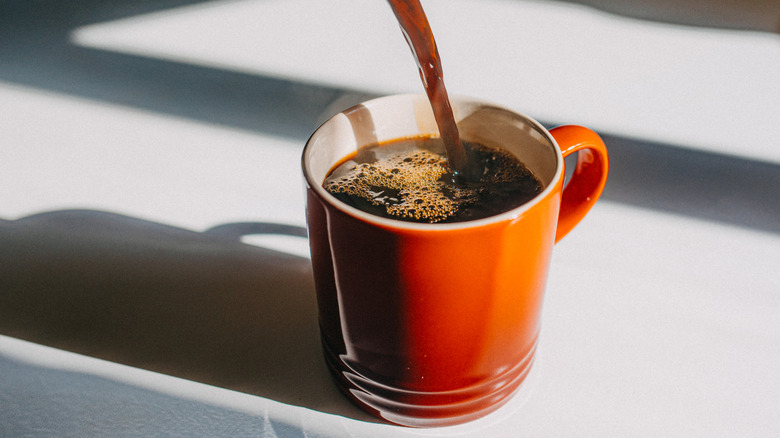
[437, 324]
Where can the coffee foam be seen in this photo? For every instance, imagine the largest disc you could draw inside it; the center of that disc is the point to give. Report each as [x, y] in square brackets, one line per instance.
[411, 180]
[406, 183]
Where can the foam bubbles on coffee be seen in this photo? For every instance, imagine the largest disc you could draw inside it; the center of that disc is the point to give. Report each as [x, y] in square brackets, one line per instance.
[410, 180]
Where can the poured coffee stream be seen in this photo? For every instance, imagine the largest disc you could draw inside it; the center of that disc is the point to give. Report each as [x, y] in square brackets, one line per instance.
[427, 179]
[417, 31]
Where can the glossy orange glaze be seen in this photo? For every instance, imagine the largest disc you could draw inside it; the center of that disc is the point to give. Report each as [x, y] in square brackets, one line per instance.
[429, 326]
[589, 177]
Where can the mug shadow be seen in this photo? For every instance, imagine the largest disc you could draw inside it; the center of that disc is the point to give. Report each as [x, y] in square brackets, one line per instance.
[199, 306]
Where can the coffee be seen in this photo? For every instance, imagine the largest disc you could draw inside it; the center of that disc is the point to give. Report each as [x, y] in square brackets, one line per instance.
[414, 24]
[411, 180]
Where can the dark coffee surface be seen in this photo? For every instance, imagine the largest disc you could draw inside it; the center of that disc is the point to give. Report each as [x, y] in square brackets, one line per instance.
[411, 180]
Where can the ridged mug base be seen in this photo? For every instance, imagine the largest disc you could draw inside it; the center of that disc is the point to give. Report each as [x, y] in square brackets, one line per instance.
[427, 409]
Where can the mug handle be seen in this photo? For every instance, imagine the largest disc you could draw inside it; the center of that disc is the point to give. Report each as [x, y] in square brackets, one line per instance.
[587, 181]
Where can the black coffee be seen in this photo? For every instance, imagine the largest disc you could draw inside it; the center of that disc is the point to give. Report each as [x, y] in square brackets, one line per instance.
[411, 180]
[414, 24]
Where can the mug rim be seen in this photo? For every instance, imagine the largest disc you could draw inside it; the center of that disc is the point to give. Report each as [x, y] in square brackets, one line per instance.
[398, 224]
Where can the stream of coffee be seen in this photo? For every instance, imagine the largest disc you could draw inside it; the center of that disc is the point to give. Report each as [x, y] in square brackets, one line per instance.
[417, 31]
[431, 180]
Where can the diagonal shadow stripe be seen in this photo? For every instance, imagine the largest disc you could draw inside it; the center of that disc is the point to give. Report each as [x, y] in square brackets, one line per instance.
[272, 106]
[72, 413]
[709, 186]
[62, 16]
[36, 51]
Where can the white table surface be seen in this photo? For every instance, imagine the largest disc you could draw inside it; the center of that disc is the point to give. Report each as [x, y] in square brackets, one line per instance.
[144, 152]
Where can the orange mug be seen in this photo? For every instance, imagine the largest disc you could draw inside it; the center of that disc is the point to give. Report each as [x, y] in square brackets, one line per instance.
[437, 324]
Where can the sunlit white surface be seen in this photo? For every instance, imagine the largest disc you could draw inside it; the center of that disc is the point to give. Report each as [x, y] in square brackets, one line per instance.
[67, 152]
[562, 63]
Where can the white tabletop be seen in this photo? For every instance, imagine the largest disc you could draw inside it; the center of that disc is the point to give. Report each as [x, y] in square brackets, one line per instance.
[153, 277]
